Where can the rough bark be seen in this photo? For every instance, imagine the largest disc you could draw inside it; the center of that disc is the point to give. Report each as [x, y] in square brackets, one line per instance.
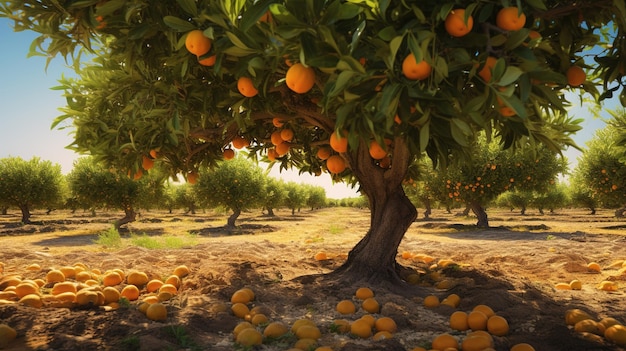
[233, 217]
[270, 212]
[25, 214]
[129, 216]
[523, 211]
[428, 207]
[373, 259]
[619, 213]
[481, 214]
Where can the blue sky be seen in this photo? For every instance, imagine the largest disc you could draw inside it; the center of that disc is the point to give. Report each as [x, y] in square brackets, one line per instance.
[28, 107]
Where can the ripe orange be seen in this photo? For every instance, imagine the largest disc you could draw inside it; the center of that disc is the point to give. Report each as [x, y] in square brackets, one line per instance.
[323, 153]
[369, 319]
[594, 267]
[363, 293]
[168, 288]
[209, 61]
[275, 330]
[240, 327]
[277, 122]
[475, 343]
[130, 292]
[510, 18]
[455, 23]
[386, 324]
[246, 87]
[342, 325]
[111, 294]
[228, 154]
[444, 341]
[431, 301]
[239, 142]
[271, 154]
[137, 278]
[282, 148]
[616, 334]
[249, 337]
[485, 72]
[376, 151]
[62, 287]
[335, 164]
[320, 256]
[275, 138]
[7, 335]
[157, 312]
[32, 300]
[414, 70]
[522, 347]
[154, 285]
[241, 296]
[300, 78]
[111, 279]
[477, 320]
[55, 276]
[286, 134]
[259, 319]
[488, 311]
[575, 76]
[146, 162]
[308, 332]
[361, 328]
[240, 310]
[192, 177]
[23, 289]
[339, 143]
[346, 307]
[371, 305]
[381, 335]
[458, 321]
[574, 316]
[196, 43]
[299, 323]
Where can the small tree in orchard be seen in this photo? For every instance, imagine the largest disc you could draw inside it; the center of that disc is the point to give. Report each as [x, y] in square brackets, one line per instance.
[381, 82]
[235, 184]
[602, 166]
[315, 196]
[30, 184]
[275, 195]
[296, 196]
[553, 198]
[185, 197]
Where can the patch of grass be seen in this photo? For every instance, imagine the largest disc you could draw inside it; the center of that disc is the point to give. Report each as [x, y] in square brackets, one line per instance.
[164, 242]
[550, 237]
[131, 343]
[110, 239]
[182, 337]
[335, 229]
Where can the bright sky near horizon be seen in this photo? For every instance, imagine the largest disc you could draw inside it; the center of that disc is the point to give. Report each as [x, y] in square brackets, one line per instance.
[28, 106]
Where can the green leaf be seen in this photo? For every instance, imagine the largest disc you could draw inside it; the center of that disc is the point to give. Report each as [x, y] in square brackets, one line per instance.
[540, 4]
[178, 24]
[188, 6]
[236, 41]
[387, 33]
[424, 136]
[328, 37]
[348, 11]
[511, 74]
[460, 131]
[342, 81]
[356, 36]
[253, 14]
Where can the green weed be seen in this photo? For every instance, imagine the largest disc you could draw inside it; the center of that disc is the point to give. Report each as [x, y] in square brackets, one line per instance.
[110, 239]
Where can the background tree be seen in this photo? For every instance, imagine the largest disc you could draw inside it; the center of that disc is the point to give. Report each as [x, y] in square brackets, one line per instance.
[236, 184]
[275, 195]
[185, 197]
[601, 169]
[30, 184]
[553, 198]
[296, 196]
[320, 67]
[315, 196]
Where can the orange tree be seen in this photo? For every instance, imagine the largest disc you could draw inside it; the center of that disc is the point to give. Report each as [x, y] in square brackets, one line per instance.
[602, 166]
[318, 67]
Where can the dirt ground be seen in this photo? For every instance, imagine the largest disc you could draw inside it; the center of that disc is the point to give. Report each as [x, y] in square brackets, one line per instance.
[512, 267]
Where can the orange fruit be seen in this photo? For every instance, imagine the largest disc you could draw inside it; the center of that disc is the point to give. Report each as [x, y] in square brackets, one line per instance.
[488, 311]
[455, 23]
[250, 293]
[576, 76]
[320, 256]
[283, 148]
[32, 300]
[453, 299]
[335, 164]
[137, 278]
[485, 72]
[275, 138]
[574, 316]
[23, 289]
[271, 154]
[87, 298]
[346, 307]
[111, 294]
[431, 301]
[382, 335]
[181, 271]
[146, 162]
[323, 153]
[277, 122]
[154, 285]
[275, 330]
[239, 142]
[240, 327]
[371, 305]
[259, 319]
[168, 288]
[192, 177]
[363, 293]
[338, 142]
[477, 320]
[300, 78]
[130, 292]
[386, 324]
[593, 266]
[249, 337]
[240, 310]
[414, 70]
[522, 347]
[341, 325]
[506, 111]
[510, 18]
[63, 287]
[308, 332]
[361, 328]
[497, 325]
[369, 319]
[240, 296]
[616, 334]
[589, 326]
[157, 312]
[68, 271]
[246, 87]
[376, 151]
[301, 322]
[304, 344]
[7, 335]
[475, 343]
[209, 61]
[286, 134]
[83, 276]
[444, 341]
[228, 154]
[111, 279]
[174, 280]
[154, 154]
[196, 43]
[458, 321]
[55, 276]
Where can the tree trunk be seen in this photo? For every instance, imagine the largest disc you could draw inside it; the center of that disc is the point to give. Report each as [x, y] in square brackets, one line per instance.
[373, 259]
[270, 212]
[593, 210]
[25, 214]
[619, 213]
[233, 217]
[479, 211]
[523, 211]
[466, 211]
[130, 216]
[4, 210]
[428, 209]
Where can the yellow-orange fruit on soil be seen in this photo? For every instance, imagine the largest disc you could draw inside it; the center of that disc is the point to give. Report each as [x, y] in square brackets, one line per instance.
[320, 256]
[336, 164]
[259, 319]
[576, 284]
[241, 326]
[497, 325]
[341, 325]
[346, 307]
[174, 280]
[475, 343]
[455, 23]
[137, 278]
[414, 70]
[363, 293]
[308, 332]
[130, 292]
[575, 76]
[22, 289]
[62, 287]
[157, 312]
[339, 143]
[111, 294]
[510, 18]
[616, 334]
[458, 321]
[7, 335]
[574, 316]
[240, 296]
[196, 43]
[431, 301]
[55, 276]
[240, 310]
[371, 305]
[477, 320]
[488, 311]
[249, 337]
[300, 78]
[444, 341]
[386, 324]
[111, 279]
[299, 323]
[246, 87]
[594, 267]
[522, 347]
[32, 300]
[361, 328]
[154, 285]
[275, 330]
